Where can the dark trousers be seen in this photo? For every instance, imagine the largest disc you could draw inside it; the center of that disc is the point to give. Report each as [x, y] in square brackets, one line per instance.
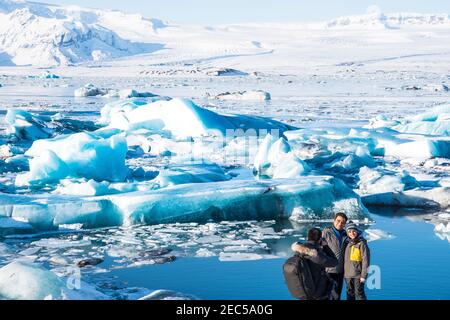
[339, 278]
[355, 289]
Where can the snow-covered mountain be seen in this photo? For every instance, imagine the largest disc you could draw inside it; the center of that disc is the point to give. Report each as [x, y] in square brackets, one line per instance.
[41, 34]
[393, 20]
[48, 35]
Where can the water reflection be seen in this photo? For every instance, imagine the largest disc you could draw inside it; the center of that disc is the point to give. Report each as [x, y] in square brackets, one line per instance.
[440, 219]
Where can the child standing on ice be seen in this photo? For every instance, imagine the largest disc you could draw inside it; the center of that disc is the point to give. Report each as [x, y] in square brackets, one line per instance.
[356, 263]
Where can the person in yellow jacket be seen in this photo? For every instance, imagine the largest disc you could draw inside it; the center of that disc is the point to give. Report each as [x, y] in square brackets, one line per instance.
[356, 263]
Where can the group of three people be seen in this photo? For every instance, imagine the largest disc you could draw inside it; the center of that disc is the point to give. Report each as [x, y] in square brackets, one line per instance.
[339, 252]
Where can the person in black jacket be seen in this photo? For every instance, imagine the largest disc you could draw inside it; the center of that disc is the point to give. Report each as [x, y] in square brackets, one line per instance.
[319, 257]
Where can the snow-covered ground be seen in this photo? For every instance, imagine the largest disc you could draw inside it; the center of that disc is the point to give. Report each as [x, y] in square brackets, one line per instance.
[116, 127]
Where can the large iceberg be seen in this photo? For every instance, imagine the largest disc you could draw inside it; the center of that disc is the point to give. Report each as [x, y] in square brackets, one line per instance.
[315, 197]
[183, 118]
[80, 155]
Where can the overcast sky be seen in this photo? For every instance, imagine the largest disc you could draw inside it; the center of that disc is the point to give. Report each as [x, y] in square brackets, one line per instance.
[209, 12]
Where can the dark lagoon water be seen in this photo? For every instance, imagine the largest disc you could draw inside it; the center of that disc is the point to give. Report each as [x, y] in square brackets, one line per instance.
[413, 264]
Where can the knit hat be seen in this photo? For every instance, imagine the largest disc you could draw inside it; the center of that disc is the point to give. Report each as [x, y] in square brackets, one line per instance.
[351, 225]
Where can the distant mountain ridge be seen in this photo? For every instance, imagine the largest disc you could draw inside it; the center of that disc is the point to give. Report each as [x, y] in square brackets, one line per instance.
[44, 35]
[392, 20]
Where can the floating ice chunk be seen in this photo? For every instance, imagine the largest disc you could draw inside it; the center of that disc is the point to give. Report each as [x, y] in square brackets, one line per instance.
[89, 90]
[183, 119]
[45, 168]
[129, 93]
[29, 251]
[29, 126]
[381, 121]
[253, 95]
[239, 256]
[86, 155]
[26, 126]
[435, 122]
[26, 281]
[57, 260]
[48, 75]
[235, 248]
[351, 162]
[373, 181]
[226, 72]
[61, 243]
[204, 253]
[208, 239]
[336, 148]
[276, 160]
